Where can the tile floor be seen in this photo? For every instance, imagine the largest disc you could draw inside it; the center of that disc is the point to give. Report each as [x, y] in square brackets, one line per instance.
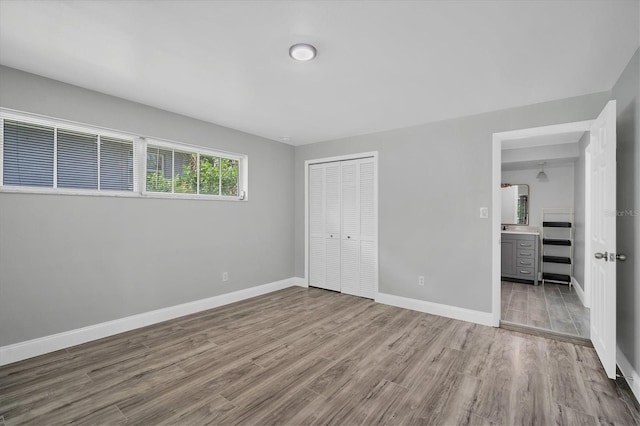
[552, 307]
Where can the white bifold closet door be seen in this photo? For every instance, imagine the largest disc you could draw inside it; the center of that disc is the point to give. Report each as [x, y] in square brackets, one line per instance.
[342, 227]
[324, 226]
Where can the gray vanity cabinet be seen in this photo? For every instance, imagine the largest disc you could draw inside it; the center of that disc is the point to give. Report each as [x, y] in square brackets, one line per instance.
[508, 257]
[520, 256]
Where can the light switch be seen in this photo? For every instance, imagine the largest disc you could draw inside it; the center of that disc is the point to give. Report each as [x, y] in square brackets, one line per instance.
[484, 212]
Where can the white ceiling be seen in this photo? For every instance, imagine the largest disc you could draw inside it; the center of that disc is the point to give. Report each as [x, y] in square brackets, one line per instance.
[381, 64]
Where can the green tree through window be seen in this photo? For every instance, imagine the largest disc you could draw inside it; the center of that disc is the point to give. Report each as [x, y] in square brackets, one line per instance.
[218, 175]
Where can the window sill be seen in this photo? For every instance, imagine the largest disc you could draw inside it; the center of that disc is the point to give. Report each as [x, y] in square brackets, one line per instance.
[123, 194]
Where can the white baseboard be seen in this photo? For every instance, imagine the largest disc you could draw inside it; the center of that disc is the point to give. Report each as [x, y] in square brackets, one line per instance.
[630, 374]
[478, 317]
[579, 291]
[54, 342]
[300, 282]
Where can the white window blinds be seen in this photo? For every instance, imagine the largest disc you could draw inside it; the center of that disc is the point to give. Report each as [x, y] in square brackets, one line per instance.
[77, 160]
[27, 154]
[55, 157]
[116, 164]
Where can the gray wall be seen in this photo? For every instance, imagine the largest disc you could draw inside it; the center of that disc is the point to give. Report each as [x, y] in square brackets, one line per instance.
[557, 192]
[432, 181]
[626, 92]
[72, 261]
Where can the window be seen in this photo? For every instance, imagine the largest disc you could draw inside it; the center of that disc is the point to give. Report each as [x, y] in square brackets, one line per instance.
[175, 170]
[116, 164]
[51, 156]
[44, 155]
[155, 162]
[28, 154]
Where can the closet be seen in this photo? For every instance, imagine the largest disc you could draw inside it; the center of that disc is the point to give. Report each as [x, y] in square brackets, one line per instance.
[343, 240]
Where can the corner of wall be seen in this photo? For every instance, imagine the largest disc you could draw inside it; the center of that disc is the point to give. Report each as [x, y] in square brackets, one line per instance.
[630, 375]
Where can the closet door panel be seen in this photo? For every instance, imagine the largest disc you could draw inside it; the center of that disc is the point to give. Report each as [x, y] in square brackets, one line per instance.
[332, 225]
[350, 214]
[368, 268]
[332, 200]
[350, 259]
[368, 228]
[350, 267]
[332, 270]
[316, 227]
[316, 201]
[316, 262]
[367, 201]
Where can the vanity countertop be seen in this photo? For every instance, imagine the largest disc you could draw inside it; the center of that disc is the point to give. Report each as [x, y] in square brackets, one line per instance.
[515, 231]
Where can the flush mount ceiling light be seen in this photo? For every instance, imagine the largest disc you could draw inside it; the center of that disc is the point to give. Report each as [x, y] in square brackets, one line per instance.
[542, 176]
[302, 52]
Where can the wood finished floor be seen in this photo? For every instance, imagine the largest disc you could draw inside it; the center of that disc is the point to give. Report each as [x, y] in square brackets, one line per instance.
[308, 356]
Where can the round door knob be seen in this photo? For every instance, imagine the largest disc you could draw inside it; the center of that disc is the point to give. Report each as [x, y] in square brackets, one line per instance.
[621, 257]
[331, 235]
[348, 236]
[599, 255]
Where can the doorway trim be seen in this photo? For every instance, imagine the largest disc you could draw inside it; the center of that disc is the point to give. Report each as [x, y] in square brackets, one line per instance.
[496, 177]
[587, 226]
[356, 156]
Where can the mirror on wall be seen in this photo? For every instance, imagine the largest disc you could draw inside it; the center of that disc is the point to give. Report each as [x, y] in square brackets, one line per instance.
[515, 204]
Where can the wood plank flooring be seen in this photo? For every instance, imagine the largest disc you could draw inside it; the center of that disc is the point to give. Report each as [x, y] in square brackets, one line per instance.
[554, 307]
[307, 356]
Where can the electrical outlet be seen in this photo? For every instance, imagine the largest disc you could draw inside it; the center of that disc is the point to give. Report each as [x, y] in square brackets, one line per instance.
[484, 212]
[421, 280]
[225, 276]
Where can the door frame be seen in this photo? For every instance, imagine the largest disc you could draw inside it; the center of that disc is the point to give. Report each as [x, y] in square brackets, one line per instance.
[587, 226]
[496, 177]
[356, 156]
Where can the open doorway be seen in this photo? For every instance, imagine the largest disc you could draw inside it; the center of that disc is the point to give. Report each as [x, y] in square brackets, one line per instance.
[543, 233]
[593, 252]
[541, 216]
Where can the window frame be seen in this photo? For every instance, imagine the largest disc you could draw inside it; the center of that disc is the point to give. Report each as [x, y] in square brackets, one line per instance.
[194, 149]
[139, 144]
[6, 114]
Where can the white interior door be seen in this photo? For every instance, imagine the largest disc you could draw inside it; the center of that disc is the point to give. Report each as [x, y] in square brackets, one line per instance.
[317, 260]
[368, 228]
[332, 226]
[324, 226]
[603, 237]
[343, 226]
[359, 228]
[350, 268]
